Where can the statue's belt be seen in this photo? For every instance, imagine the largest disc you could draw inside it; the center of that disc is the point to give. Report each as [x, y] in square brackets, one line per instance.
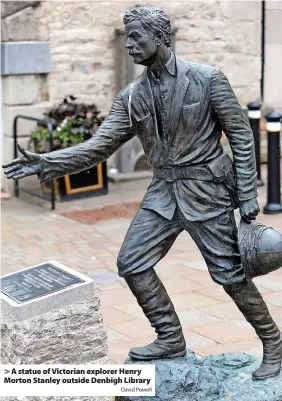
[173, 173]
[221, 169]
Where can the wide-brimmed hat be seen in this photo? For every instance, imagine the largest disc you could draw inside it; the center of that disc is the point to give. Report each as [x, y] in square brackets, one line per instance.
[260, 248]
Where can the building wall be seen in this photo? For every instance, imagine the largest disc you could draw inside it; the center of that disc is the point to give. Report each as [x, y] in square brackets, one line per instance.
[273, 55]
[226, 34]
[222, 33]
[24, 84]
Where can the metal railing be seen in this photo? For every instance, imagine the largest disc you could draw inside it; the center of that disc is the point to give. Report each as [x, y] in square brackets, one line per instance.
[47, 123]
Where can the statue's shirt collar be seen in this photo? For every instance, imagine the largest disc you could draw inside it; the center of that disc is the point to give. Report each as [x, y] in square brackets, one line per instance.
[170, 66]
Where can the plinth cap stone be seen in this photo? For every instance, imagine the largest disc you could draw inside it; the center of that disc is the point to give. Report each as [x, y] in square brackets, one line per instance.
[42, 288]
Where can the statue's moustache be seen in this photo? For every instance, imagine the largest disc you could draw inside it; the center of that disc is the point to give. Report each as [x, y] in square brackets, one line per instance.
[133, 52]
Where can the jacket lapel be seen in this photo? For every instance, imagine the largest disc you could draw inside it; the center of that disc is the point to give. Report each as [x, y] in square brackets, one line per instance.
[180, 89]
[176, 97]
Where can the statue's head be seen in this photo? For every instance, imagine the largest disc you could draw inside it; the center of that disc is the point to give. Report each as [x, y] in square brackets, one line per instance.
[146, 28]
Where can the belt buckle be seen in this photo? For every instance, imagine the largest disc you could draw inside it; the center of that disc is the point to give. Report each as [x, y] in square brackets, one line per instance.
[171, 176]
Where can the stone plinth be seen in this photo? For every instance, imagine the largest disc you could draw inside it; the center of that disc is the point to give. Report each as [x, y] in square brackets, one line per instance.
[62, 327]
[213, 378]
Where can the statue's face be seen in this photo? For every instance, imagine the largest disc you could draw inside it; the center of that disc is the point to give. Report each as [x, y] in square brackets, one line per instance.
[140, 45]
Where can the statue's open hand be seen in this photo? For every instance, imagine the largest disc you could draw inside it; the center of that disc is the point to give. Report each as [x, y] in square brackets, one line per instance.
[249, 209]
[28, 164]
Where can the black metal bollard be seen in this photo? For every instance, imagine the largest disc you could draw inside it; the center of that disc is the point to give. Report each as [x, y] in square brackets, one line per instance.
[273, 127]
[254, 115]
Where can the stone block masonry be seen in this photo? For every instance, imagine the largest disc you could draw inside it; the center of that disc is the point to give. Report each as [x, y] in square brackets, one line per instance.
[81, 34]
[25, 63]
[224, 34]
[23, 89]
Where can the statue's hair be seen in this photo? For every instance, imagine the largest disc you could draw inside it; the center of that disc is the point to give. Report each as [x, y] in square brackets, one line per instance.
[153, 19]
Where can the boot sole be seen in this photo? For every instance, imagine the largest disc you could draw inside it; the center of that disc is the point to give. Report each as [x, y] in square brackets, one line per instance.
[267, 377]
[147, 358]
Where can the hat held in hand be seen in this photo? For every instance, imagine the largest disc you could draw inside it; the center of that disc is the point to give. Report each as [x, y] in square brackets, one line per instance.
[260, 248]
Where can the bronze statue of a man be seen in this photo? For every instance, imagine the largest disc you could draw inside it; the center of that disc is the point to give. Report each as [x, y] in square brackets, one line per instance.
[178, 110]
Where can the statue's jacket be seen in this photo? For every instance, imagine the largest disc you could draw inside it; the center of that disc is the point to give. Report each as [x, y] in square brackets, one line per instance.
[190, 170]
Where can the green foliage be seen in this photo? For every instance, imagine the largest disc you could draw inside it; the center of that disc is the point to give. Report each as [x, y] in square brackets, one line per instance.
[72, 122]
[40, 136]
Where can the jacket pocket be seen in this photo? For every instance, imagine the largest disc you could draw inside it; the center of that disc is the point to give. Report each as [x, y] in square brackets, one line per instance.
[190, 116]
[189, 106]
[144, 122]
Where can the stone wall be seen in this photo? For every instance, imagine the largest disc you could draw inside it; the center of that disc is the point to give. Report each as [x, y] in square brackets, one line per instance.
[82, 35]
[25, 67]
[224, 33]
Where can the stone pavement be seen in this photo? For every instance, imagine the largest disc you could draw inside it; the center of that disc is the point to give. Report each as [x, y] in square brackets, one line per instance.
[31, 234]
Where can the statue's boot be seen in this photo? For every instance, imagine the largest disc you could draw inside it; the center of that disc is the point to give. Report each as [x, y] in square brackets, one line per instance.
[151, 295]
[251, 304]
